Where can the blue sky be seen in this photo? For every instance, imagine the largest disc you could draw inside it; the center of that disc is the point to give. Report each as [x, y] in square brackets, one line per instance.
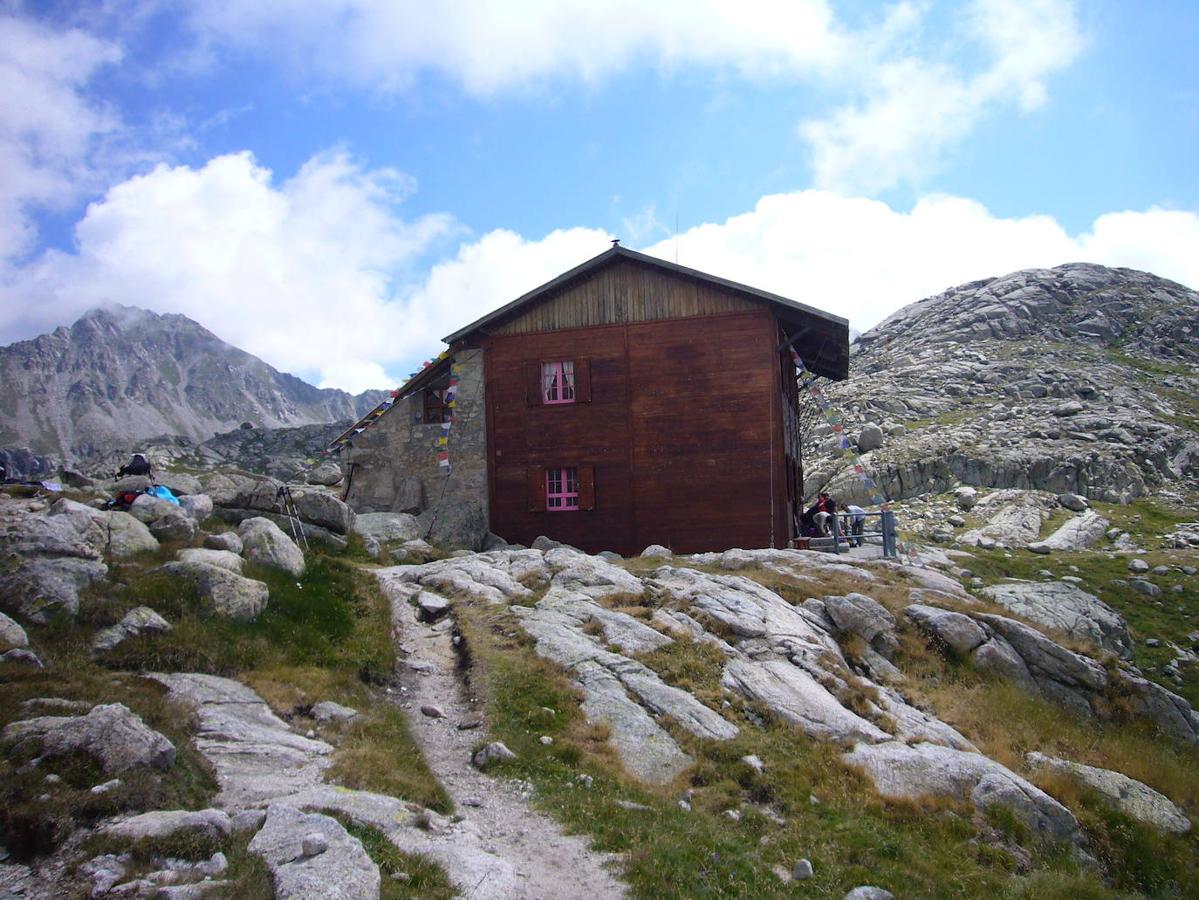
[335, 186]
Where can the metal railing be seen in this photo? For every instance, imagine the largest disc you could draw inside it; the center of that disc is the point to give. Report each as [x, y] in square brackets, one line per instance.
[842, 537]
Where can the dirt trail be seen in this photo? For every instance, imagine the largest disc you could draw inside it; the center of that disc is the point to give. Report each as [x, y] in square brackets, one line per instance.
[549, 864]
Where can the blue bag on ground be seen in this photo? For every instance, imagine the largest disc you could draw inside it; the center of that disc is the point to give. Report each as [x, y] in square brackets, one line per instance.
[162, 492]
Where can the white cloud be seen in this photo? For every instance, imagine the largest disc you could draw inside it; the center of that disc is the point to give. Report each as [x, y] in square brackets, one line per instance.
[301, 273]
[320, 273]
[863, 260]
[915, 109]
[491, 45]
[48, 128]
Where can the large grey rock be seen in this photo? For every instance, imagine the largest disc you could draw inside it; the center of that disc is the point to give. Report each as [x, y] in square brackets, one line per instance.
[1130, 796]
[388, 527]
[323, 509]
[799, 699]
[1074, 502]
[486, 577]
[180, 483]
[126, 536]
[908, 772]
[40, 588]
[197, 506]
[870, 438]
[255, 756]
[865, 617]
[138, 621]
[1065, 608]
[264, 543]
[148, 509]
[1015, 523]
[227, 594]
[344, 871]
[957, 631]
[12, 635]
[225, 559]
[1078, 533]
[328, 711]
[112, 734]
[458, 525]
[174, 525]
[212, 823]
[326, 474]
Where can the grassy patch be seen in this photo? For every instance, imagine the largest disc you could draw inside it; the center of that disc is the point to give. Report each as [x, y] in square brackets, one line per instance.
[404, 875]
[324, 637]
[850, 835]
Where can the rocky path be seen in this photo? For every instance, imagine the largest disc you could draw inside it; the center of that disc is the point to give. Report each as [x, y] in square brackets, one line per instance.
[546, 863]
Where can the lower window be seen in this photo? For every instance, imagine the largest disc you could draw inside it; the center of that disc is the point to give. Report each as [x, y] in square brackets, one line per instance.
[561, 489]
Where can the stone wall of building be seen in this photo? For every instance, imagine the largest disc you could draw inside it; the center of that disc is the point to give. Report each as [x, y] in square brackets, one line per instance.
[395, 464]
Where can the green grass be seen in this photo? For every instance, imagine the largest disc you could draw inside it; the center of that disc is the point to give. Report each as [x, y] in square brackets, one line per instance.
[404, 876]
[326, 636]
[1169, 617]
[850, 835]
[1149, 365]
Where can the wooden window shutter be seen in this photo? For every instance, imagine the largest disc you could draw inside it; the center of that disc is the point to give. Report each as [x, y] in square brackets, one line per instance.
[582, 380]
[536, 489]
[586, 487]
[533, 384]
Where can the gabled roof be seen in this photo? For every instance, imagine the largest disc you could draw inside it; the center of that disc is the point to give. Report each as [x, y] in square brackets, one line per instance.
[834, 362]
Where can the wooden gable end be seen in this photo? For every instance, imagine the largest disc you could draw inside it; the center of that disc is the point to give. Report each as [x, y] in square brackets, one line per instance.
[624, 292]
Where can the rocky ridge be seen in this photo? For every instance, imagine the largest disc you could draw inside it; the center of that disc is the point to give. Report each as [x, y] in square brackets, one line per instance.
[1079, 379]
[121, 375]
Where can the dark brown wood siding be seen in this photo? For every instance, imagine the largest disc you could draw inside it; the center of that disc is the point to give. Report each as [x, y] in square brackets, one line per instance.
[681, 434]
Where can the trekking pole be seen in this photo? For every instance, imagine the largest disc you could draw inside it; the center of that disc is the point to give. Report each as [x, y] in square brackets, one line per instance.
[284, 499]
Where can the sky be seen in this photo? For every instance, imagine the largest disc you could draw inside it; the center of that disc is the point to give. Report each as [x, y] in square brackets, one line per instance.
[335, 185]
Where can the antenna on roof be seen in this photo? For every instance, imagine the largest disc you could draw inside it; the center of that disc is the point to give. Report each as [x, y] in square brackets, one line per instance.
[615, 242]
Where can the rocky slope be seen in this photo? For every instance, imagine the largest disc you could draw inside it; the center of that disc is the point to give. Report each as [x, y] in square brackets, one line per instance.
[121, 375]
[1079, 379]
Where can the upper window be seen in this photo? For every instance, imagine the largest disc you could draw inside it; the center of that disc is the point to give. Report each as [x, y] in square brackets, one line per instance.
[561, 489]
[436, 409]
[558, 382]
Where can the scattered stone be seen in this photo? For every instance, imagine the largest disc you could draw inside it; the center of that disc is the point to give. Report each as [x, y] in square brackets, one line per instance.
[343, 866]
[138, 621]
[225, 559]
[106, 786]
[431, 606]
[1138, 565]
[966, 498]
[22, 656]
[732, 815]
[12, 635]
[314, 844]
[755, 763]
[493, 752]
[802, 871]
[433, 712]
[656, 551]
[1148, 588]
[1074, 502]
[225, 540]
[869, 892]
[546, 740]
[633, 807]
[328, 711]
[112, 734]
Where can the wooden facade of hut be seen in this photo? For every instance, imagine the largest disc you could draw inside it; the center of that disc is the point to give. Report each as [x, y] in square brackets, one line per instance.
[632, 401]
